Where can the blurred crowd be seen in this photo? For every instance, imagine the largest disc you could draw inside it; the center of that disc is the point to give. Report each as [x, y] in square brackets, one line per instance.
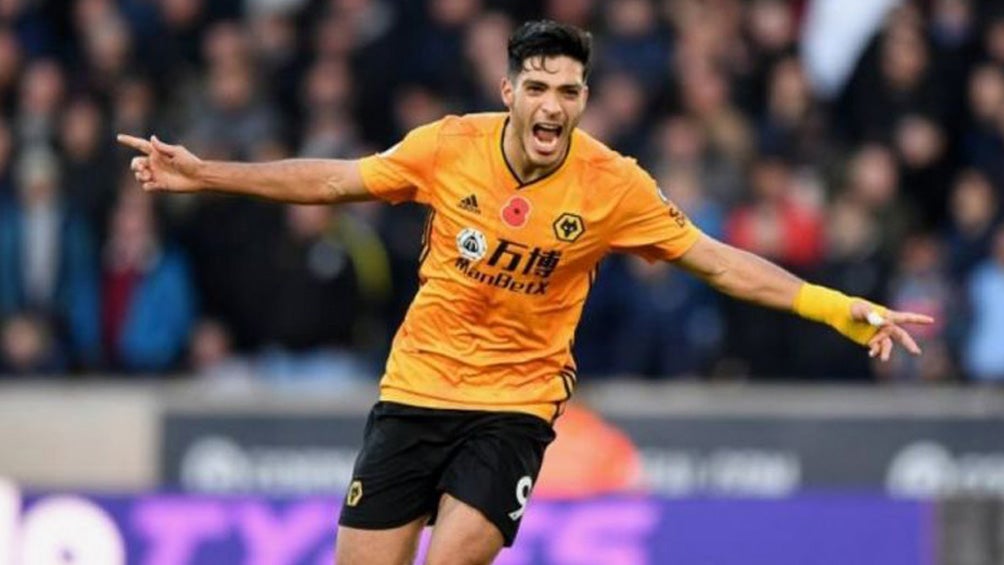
[888, 187]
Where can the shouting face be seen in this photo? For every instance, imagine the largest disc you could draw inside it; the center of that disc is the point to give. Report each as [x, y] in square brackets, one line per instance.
[545, 100]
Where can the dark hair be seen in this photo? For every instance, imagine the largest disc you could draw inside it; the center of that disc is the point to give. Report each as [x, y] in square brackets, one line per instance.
[549, 39]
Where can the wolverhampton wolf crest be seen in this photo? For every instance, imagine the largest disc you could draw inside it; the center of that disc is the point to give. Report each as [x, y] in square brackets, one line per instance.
[355, 493]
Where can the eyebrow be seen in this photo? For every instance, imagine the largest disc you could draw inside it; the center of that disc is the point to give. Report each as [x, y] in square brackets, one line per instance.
[565, 86]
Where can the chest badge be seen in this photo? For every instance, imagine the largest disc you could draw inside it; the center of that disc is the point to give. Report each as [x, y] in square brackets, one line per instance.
[516, 211]
[569, 227]
[471, 244]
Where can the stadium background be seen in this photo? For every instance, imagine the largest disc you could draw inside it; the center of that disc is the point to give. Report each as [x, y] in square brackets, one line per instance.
[184, 379]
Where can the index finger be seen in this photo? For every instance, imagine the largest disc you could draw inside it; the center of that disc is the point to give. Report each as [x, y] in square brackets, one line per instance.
[137, 143]
[905, 339]
[909, 318]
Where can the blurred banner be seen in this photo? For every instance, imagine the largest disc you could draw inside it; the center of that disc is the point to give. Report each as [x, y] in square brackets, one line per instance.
[682, 456]
[179, 530]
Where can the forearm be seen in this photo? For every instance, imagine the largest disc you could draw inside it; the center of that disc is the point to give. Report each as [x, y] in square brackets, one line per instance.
[300, 181]
[743, 275]
[762, 282]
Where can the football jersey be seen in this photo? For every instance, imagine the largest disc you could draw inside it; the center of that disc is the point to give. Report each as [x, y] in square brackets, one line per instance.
[505, 266]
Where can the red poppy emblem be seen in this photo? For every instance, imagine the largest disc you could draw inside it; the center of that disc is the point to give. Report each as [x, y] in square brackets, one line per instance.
[516, 211]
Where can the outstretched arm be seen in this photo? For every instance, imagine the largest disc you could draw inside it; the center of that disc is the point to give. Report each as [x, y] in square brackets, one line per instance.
[745, 276]
[173, 168]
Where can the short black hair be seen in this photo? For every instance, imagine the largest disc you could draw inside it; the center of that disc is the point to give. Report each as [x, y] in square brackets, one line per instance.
[549, 39]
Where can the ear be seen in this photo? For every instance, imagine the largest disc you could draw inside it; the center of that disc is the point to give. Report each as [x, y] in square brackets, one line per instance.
[507, 91]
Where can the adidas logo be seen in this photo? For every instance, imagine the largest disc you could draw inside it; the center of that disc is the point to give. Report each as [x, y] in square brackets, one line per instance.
[470, 204]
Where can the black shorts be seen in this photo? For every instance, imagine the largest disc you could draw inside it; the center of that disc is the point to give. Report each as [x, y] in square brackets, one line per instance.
[411, 455]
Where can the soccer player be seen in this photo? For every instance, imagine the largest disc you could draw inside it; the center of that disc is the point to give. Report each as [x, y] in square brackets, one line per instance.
[522, 207]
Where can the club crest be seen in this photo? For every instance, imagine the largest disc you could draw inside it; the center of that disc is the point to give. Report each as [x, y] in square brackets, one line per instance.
[471, 244]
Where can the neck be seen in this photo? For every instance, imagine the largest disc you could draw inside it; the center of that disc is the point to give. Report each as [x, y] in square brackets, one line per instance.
[515, 155]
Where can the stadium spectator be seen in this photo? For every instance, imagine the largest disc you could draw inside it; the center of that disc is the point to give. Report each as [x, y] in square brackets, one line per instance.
[326, 103]
[645, 344]
[372, 34]
[232, 120]
[148, 304]
[793, 124]
[603, 321]
[681, 144]
[637, 43]
[854, 258]
[691, 195]
[873, 182]
[707, 33]
[899, 81]
[984, 356]
[35, 31]
[704, 93]
[954, 35]
[983, 142]
[921, 147]
[993, 39]
[621, 100]
[171, 42]
[770, 27]
[439, 64]
[776, 223]
[48, 264]
[576, 12]
[28, 347]
[106, 44]
[226, 239]
[11, 61]
[42, 90]
[89, 167]
[974, 211]
[275, 49]
[485, 61]
[328, 282]
[133, 105]
[921, 283]
[211, 356]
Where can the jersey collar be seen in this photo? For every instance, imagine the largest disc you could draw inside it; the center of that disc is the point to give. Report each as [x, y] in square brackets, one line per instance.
[519, 184]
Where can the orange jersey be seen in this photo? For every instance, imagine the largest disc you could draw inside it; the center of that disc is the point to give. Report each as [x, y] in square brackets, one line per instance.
[505, 267]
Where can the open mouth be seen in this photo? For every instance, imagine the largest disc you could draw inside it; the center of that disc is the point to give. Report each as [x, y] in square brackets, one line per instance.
[545, 137]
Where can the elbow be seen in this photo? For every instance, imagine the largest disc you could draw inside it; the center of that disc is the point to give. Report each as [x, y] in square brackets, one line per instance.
[336, 189]
[720, 271]
[725, 282]
[343, 183]
[730, 274]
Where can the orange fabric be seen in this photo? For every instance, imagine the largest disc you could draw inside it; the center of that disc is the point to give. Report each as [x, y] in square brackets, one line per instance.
[505, 268]
[589, 457]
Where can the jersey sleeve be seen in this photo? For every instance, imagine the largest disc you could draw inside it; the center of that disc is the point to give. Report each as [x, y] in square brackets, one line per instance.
[649, 224]
[403, 173]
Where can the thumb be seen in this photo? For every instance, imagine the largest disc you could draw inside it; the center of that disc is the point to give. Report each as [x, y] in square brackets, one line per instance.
[873, 314]
[168, 150]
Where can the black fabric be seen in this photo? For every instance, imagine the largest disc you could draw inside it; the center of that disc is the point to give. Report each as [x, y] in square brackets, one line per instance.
[411, 455]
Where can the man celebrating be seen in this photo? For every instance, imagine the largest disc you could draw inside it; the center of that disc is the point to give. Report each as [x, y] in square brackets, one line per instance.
[523, 206]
